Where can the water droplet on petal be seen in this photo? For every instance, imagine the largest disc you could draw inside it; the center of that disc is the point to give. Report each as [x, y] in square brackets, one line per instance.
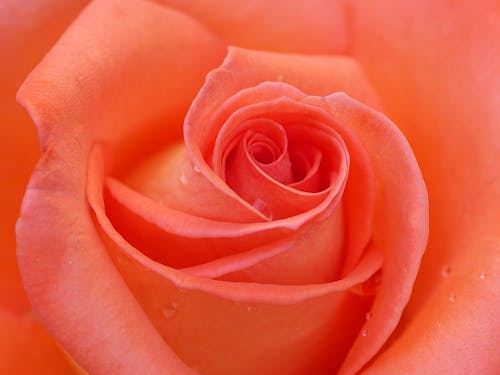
[482, 276]
[368, 315]
[183, 179]
[196, 169]
[261, 206]
[452, 298]
[168, 312]
[446, 270]
[364, 332]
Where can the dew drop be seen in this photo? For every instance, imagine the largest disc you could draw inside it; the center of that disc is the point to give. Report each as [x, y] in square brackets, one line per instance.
[168, 312]
[482, 276]
[446, 270]
[364, 332]
[196, 169]
[452, 298]
[261, 206]
[183, 179]
[368, 315]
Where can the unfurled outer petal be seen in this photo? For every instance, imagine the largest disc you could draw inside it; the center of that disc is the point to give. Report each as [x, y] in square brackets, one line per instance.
[115, 72]
[436, 66]
[27, 30]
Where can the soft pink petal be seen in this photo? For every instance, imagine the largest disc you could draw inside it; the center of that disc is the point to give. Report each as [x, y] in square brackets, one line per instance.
[87, 80]
[436, 66]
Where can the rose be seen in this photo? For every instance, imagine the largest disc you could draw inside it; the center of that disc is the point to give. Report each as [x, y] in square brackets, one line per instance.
[481, 274]
[290, 275]
[462, 260]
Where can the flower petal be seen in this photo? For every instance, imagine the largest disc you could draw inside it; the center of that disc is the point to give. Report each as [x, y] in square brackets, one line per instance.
[27, 31]
[401, 229]
[75, 97]
[400, 226]
[22, 45]
[315, 26]
[87, 71]
[204, 319]
[436, 66]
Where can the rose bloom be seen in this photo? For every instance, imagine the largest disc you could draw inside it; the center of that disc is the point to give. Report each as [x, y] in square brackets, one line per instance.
[259, 187]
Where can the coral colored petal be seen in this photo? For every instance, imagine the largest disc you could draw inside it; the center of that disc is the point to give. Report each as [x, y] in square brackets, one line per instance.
[436, 66]
[316, 257]
[309, 254]
[108, 88]
[227, 89]
[154, 181]
[400, 227]
[71, 94]
[172, 237]
[403, 246]
[27, 30]
[315, 26]
[186, 182]
[77, 269]
[314, 75]
[203, 319]
[171, 179]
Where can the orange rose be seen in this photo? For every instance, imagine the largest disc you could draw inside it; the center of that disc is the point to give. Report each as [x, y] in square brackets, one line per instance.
[285, 233]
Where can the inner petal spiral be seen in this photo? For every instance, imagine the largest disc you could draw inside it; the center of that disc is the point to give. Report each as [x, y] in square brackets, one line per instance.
[273, 157]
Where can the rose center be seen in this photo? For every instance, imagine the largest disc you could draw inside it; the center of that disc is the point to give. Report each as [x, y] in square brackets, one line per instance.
[263, 152]
[265, 159]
